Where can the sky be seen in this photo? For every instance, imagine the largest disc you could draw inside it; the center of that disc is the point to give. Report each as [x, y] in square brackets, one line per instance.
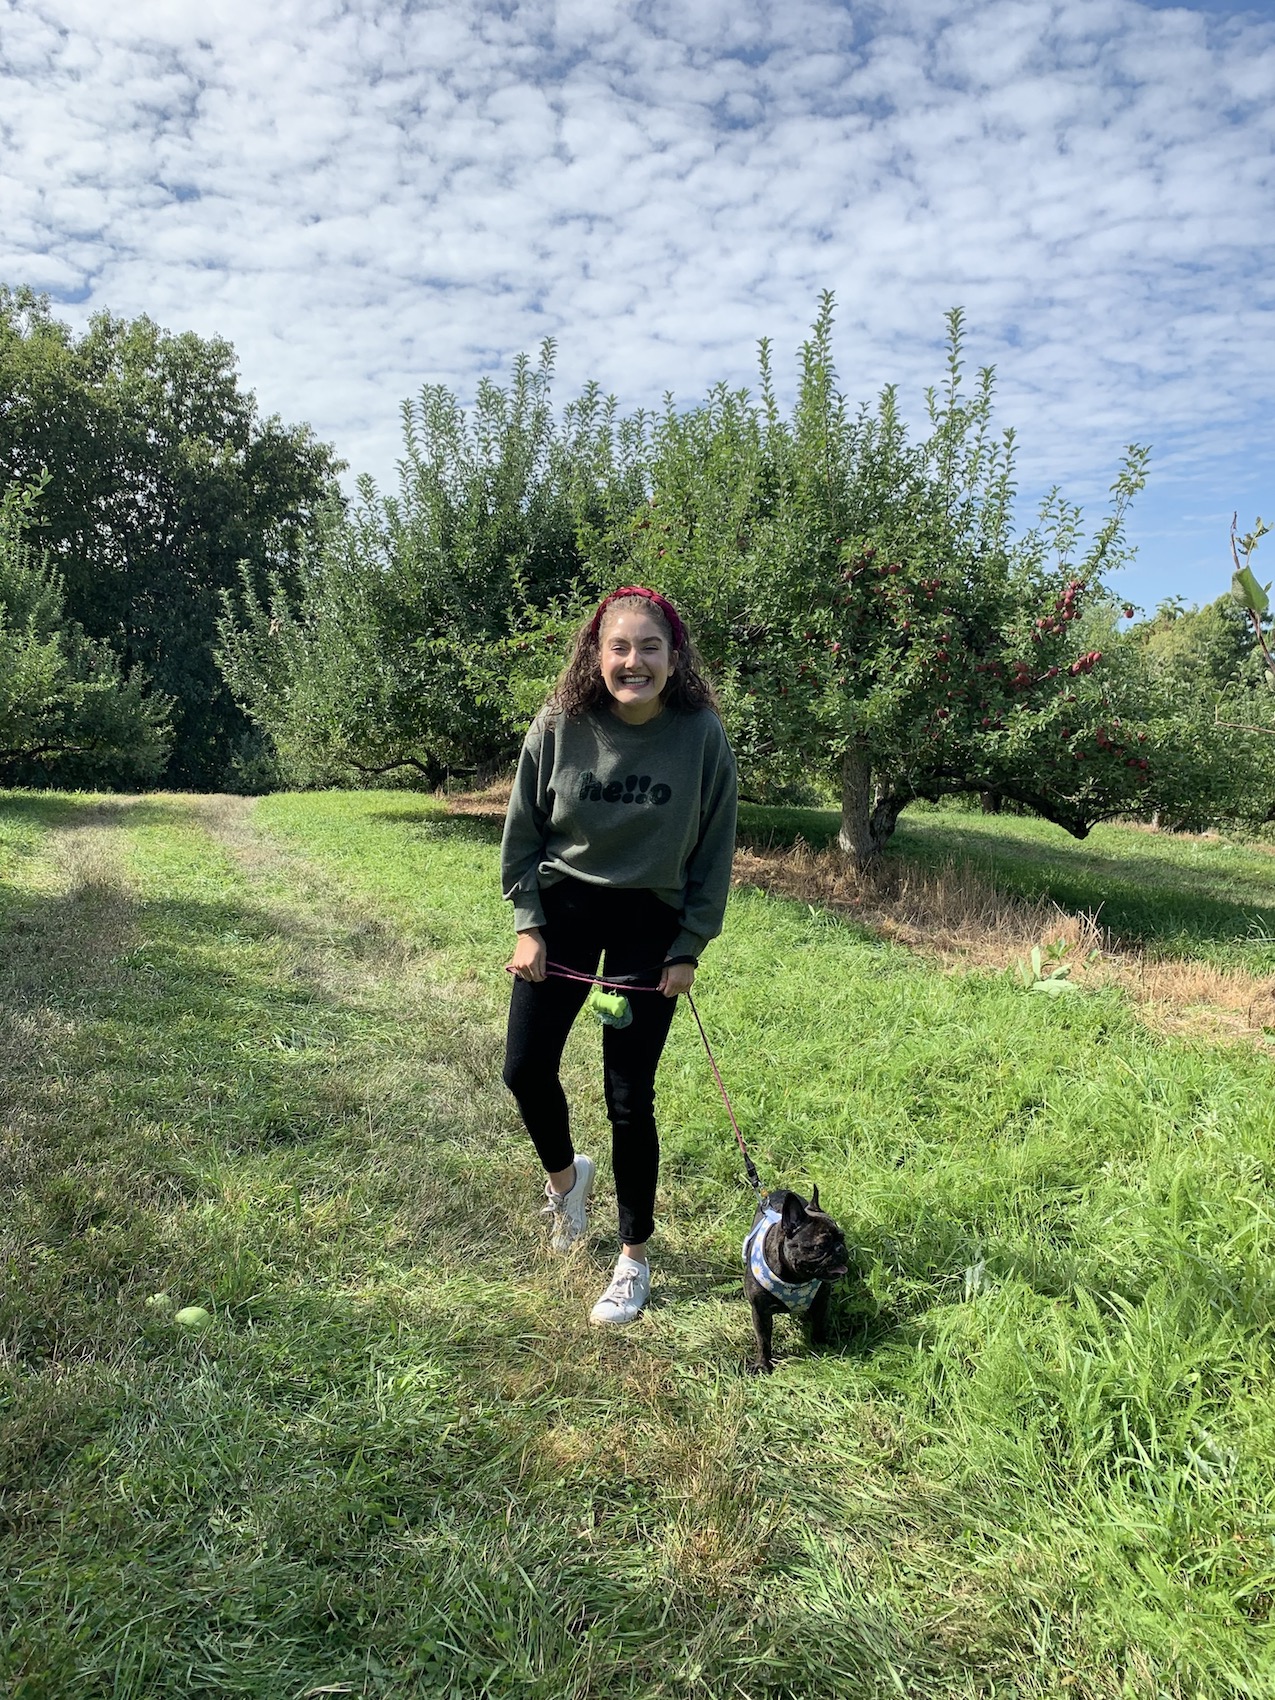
[365, 196]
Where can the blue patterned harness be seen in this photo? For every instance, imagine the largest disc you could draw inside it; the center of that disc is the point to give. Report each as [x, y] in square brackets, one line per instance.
[796, 1296]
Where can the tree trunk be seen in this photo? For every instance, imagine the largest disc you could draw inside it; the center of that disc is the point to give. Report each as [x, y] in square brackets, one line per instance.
[869, 812]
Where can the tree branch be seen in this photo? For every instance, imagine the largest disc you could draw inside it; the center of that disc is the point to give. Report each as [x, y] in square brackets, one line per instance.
[47, 750]
[1240, 726]
[421, 767]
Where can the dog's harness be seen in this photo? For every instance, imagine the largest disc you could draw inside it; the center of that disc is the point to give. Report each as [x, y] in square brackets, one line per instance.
[797, 1296]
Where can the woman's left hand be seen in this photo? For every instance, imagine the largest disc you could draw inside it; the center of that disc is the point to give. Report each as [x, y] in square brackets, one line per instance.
[677, 977]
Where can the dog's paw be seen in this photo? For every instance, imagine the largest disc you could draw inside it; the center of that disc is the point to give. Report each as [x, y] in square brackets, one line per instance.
[755, 1366]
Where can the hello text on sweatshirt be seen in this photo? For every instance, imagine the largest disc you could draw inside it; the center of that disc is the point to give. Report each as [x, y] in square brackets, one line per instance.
[648, 807]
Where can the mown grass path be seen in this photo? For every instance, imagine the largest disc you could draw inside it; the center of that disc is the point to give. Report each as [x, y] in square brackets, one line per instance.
[251, 1060]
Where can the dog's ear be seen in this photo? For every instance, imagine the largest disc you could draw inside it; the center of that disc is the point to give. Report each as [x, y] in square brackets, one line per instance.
[794, 1213]
[814, 1198]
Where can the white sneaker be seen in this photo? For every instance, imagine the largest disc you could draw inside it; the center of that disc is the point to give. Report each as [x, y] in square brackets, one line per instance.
[570, 1210]
[626, 1297]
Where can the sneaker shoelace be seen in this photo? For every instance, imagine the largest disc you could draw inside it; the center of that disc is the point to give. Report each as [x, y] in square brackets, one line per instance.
[624, 1285]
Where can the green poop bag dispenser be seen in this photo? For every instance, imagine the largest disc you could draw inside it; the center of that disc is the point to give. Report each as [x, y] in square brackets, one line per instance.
[611, 1008]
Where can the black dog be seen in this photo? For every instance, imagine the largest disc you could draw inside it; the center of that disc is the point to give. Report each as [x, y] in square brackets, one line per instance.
[792, 1254]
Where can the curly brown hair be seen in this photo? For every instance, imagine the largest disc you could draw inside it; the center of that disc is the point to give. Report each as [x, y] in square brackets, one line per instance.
[580, 685]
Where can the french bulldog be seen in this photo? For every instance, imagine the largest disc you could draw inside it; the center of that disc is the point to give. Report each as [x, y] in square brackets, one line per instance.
[794, 1251]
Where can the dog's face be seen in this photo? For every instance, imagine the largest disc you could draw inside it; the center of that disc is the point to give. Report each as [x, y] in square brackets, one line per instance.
[814, 1246]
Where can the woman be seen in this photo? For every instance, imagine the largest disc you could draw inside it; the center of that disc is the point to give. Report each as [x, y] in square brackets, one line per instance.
[617, 847]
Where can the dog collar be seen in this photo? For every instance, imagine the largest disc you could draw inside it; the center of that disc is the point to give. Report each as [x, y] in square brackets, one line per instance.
[796, 1296]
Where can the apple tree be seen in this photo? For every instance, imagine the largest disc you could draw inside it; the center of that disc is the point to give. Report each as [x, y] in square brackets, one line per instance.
[415, 617]
[875, 622]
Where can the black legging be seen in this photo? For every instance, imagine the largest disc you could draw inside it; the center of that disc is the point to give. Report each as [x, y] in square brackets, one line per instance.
[634, 930]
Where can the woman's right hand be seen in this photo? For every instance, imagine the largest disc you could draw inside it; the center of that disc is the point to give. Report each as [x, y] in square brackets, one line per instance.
[528, 959]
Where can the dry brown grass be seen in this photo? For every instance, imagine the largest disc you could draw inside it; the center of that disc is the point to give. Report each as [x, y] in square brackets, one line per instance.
[487, 804]
[1181, 996]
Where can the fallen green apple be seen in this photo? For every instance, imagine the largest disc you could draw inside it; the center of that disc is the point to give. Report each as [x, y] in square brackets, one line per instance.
[193, 1316]
[159, 1301]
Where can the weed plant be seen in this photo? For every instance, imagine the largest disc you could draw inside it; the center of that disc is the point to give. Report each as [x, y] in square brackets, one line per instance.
[252, 1056]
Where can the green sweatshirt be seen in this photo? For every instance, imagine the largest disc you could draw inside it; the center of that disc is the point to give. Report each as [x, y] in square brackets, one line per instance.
[647, 807]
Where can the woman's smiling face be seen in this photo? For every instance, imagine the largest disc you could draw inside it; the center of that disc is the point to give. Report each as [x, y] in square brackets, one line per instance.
[636, 662]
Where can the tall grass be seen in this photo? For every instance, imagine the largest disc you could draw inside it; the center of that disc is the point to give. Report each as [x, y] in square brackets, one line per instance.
[254, 1066]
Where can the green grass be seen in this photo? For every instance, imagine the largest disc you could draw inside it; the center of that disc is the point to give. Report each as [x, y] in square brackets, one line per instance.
[251, 1060]
[1206, 897]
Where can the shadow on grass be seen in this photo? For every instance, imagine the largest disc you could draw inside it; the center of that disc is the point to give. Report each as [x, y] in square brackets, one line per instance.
[764, 826]
[67, 810]
[934, 837]
[479, 828]
[407, 814]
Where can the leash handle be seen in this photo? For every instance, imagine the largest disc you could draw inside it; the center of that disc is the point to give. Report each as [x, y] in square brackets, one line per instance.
[750, 1168]
[624, 984]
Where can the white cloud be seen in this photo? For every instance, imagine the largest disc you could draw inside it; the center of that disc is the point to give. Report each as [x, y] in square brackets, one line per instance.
[364, 196]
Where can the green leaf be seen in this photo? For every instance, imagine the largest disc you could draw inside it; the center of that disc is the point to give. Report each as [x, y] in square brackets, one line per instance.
[1248, 593]
[1036, 960]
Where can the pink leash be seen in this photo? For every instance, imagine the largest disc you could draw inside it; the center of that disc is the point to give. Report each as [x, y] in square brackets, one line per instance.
[750, 1169]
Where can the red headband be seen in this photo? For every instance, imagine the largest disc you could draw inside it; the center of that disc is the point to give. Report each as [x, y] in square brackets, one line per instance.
[665, 607]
